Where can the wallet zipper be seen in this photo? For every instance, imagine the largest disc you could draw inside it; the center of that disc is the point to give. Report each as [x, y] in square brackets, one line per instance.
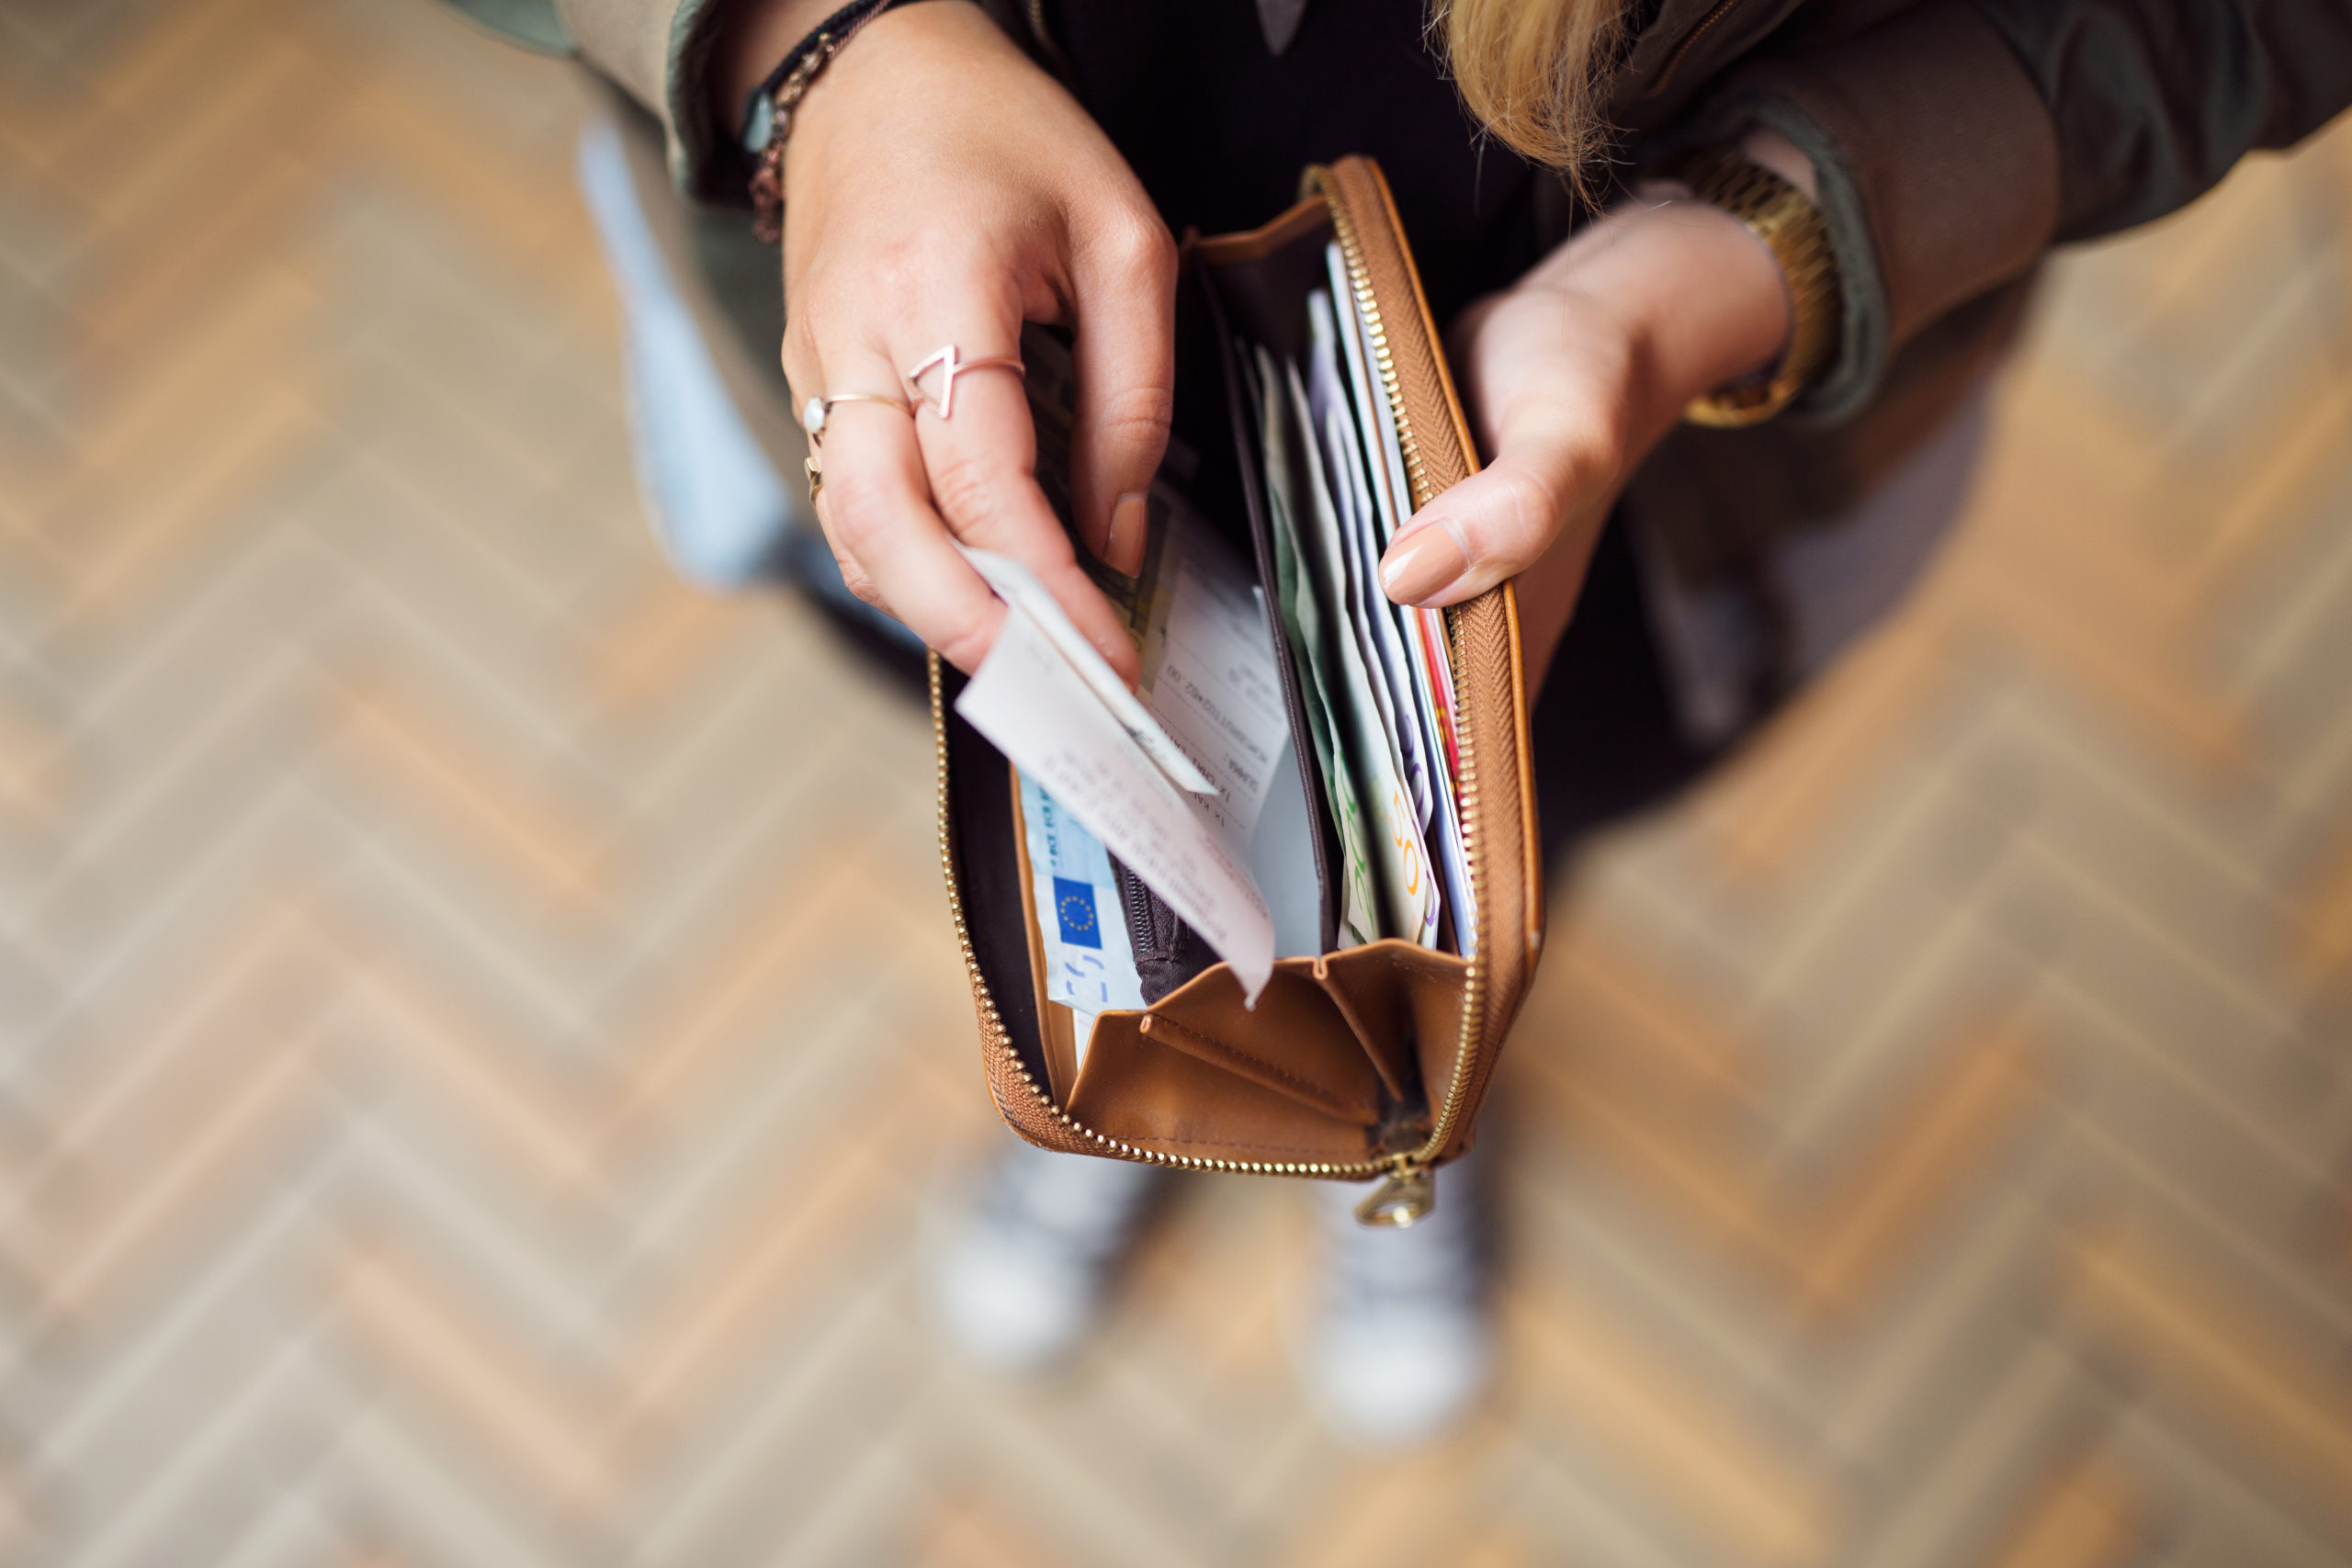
[1406, 1195]
[1689, 41]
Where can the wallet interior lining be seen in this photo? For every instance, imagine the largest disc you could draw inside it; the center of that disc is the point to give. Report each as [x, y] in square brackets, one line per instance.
[989, 872]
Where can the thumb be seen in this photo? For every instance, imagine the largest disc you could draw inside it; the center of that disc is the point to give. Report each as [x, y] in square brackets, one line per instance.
[1500, 521]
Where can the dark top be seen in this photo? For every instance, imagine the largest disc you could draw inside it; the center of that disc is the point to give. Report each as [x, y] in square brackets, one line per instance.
[1218, 128]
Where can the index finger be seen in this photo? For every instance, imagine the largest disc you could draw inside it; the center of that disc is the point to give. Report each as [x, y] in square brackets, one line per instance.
[981, 458]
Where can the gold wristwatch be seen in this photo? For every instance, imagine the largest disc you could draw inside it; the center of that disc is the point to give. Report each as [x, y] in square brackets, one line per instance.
[1782, 217]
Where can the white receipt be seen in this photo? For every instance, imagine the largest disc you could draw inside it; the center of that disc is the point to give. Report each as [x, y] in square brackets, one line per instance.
[1024, 595]
[1190, 850]
[1212, 682]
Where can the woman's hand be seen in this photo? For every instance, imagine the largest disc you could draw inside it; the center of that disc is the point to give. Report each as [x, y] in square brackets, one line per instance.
[941, 189]
[1572, 375]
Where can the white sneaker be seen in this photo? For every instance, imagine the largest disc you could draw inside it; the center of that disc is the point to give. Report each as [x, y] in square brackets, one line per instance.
[1019, 1278]
[1403, 1343]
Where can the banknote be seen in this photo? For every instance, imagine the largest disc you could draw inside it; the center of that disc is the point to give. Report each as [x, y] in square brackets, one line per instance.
[1341, 426]
[1090, 966]
[1400, 870]
[1391, 769]
[1297, 603]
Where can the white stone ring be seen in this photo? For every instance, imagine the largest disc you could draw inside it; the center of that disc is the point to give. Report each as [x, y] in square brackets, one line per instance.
[815, 411]
[950, 362]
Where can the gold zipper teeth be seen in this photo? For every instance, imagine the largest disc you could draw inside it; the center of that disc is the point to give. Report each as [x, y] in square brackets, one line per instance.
[1689, 41]
[996, 1037]
[1473, 977]
[1417, 473]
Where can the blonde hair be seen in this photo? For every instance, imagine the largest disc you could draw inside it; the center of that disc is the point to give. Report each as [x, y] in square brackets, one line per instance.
[1536, 74]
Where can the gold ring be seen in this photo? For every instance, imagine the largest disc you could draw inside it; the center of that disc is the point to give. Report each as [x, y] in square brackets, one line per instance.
[814, 412]
[950, 362]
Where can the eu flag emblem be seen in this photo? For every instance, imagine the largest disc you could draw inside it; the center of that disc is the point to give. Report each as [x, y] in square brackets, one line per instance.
[1074, 909]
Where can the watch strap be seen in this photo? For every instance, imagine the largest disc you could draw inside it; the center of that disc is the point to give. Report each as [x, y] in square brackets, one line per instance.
[1791, 226]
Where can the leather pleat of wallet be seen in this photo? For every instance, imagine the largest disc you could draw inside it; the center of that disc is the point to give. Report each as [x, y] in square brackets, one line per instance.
[1360, 1059]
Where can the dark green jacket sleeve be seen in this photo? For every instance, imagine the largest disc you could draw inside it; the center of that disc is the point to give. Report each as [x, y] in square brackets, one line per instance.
[1937, 167]
[2156, 100]
[1955, 140]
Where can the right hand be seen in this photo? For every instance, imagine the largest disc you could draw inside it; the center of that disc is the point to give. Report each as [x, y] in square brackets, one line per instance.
[940, 189]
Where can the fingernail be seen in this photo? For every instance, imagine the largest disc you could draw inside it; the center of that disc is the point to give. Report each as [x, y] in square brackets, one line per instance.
[1123, 546]
[1420, 563]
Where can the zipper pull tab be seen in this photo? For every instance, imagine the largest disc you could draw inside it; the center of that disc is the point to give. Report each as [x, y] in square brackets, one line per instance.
[1404, 1199]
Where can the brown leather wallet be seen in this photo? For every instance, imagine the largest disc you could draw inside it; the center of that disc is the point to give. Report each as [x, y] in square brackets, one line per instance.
[1366, 1062]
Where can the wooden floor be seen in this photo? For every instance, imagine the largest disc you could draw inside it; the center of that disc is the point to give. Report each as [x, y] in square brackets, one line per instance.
[480, 1032]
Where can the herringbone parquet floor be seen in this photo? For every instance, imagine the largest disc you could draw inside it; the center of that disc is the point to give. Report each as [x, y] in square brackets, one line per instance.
[479, 1032]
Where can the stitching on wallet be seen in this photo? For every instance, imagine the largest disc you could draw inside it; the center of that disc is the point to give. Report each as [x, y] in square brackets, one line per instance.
[1314, 1089]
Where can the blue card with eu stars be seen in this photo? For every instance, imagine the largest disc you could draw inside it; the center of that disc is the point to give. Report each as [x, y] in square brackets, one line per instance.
[1074, 908]
[1090, 966]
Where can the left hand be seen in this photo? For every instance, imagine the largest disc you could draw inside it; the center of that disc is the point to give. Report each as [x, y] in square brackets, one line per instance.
[1572, 375]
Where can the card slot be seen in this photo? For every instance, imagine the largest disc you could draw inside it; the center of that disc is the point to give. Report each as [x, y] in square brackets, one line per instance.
[1358, 1036]
[1262, 292]
[1405, 1003]
[1149, 1089]
[1294, 1043]
[1373, 1026]
[1243, 1061]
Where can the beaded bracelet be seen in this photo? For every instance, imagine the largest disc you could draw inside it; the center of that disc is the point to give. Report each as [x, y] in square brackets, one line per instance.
[767, 112]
